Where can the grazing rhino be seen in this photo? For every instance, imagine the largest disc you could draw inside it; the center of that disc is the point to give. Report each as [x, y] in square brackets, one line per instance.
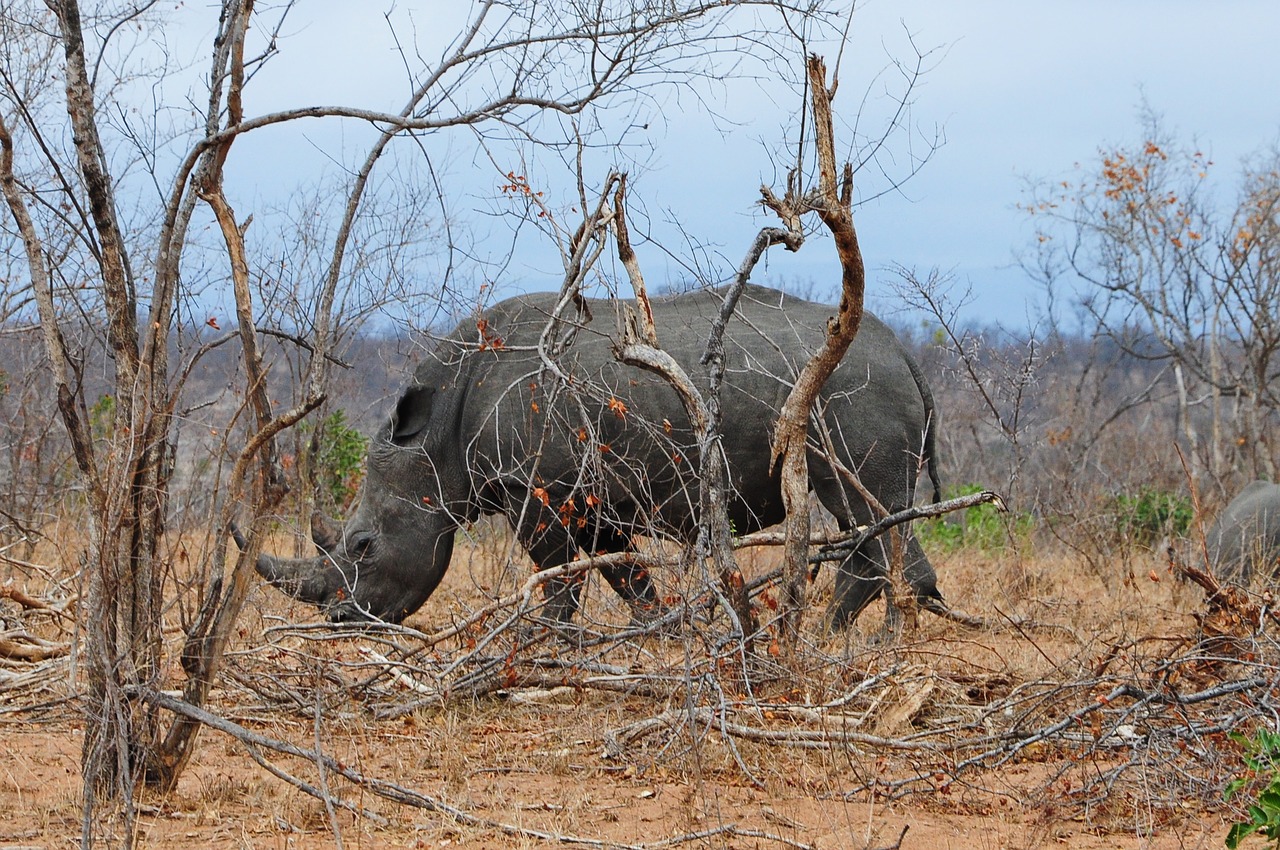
[586, 460]
[1244, 540]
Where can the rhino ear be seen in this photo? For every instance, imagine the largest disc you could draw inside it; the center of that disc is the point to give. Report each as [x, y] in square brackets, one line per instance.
[412, 412]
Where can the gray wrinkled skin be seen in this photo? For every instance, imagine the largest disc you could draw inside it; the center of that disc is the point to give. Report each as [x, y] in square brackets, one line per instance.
[482, 430]
[1244, 541]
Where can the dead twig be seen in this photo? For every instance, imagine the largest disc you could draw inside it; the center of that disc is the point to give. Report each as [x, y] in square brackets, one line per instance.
[27, 647]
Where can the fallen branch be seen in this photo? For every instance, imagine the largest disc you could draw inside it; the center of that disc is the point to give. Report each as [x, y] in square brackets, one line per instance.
[408, 797]
[897, 845]
[28, 602]
[861, 534]
[27, 647]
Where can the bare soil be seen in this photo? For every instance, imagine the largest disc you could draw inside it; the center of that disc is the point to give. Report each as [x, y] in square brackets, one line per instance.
[532, 758]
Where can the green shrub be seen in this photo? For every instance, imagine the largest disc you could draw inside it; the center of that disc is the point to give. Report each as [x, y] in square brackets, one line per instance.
[1262, 779]
[981, 527]
[338, 452]
[102, 417]
[1151, 515]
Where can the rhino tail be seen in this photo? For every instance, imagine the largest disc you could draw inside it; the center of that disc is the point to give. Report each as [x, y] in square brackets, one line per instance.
[930, 427]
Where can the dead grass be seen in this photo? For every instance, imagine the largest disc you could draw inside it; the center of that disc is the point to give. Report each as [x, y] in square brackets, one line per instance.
[531, 749]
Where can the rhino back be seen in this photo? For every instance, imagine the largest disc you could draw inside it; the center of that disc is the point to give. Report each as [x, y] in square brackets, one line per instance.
[874, 409]
[633, 423]
[1245, 538]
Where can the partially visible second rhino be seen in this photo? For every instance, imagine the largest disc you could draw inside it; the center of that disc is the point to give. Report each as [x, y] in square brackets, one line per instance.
[1244, 541]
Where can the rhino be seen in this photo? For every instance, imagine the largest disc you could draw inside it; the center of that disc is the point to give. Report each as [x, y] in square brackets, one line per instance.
[1244, 540]
[586, 457]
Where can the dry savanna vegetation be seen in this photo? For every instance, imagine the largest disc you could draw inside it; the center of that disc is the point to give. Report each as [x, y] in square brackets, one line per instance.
[1092, 712]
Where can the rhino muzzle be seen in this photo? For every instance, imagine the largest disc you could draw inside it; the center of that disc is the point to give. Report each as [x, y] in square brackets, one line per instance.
[319, 582]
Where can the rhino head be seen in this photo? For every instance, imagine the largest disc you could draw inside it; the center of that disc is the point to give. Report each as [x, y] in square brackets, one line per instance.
[394, 549]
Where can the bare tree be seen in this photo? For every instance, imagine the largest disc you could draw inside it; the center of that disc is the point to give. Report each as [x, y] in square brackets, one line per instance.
[1172, 273]
[832, 200]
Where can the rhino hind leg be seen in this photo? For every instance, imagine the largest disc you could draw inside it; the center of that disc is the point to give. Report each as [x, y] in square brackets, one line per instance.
[859, 581]
[862, 577]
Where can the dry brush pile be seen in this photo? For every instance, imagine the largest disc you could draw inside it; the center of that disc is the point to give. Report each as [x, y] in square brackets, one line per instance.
[1116, 723]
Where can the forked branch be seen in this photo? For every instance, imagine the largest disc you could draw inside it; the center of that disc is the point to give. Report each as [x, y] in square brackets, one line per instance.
[832, 201]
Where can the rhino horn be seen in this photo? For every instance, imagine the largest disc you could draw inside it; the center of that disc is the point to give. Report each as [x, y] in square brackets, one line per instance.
[238, 536]
[301, 578]
[324, 532]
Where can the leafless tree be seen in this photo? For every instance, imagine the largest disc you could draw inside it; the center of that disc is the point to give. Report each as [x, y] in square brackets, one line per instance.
[1173, 273]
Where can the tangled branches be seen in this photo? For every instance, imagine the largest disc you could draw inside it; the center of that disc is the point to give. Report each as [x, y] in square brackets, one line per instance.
[1140, 723]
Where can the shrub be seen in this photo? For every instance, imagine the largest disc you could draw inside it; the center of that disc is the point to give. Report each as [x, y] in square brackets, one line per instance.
[1151, 515]
[980, 527]
[102, 417]
[337, 456]
[1262, 760]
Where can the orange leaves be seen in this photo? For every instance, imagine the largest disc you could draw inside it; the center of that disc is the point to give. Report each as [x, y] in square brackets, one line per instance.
[1122, 176]
[618, 407]
[518, 185]
[488, 339]
[567, 510]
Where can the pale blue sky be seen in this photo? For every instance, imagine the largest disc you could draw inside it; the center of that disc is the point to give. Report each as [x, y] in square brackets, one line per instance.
[1022, 89]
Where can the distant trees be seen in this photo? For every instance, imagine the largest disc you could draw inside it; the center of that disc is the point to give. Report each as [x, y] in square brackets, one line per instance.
[1174, 274]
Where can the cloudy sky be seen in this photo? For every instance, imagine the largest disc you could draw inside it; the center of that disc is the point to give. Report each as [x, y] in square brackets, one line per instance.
[1021, 90]
[1028, 89]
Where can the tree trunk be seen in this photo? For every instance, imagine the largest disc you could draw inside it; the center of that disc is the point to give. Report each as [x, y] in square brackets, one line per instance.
[122, 621]
[833, 203]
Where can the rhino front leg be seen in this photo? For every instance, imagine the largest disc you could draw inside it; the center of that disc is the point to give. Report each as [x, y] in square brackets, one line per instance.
[630, 581]
[555, 537]
[563, 595]
[550, 544]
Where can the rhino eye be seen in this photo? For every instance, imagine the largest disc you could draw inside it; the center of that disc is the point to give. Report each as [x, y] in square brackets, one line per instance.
[358, 545]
